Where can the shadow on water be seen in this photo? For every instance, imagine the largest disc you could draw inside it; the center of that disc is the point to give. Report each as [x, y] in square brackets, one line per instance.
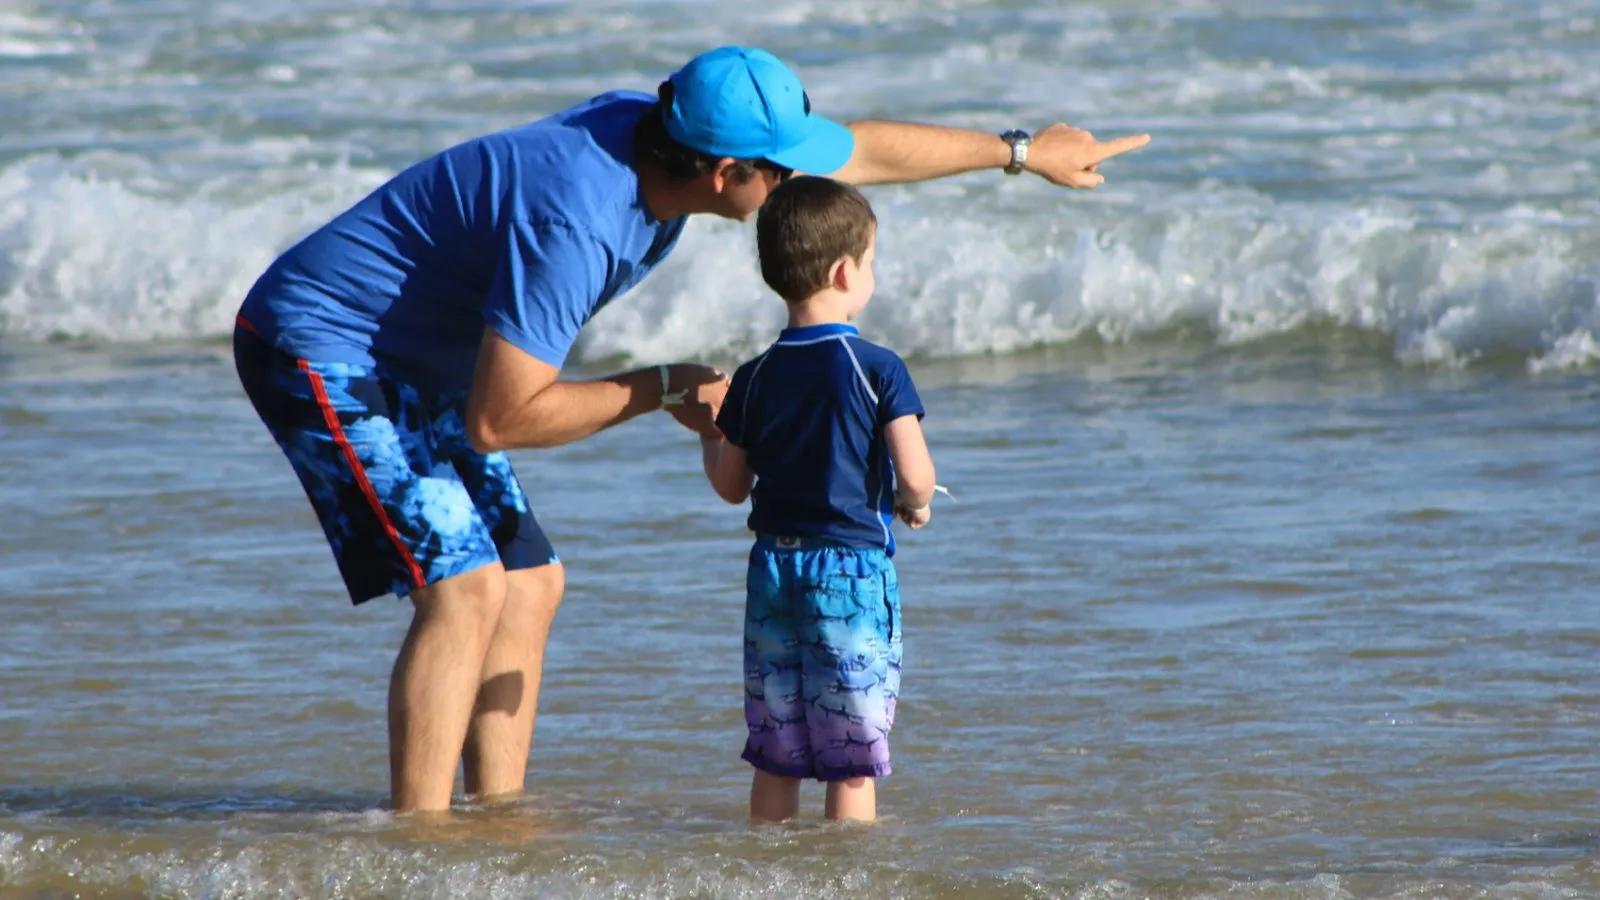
[118, 813]
[1541, 847]
[216, 802]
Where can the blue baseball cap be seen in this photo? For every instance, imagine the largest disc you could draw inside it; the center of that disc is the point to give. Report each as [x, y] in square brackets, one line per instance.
[743, 103]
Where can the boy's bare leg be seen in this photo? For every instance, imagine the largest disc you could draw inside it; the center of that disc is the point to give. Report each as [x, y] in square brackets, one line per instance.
[495, 761]
[773, 798]
[853, 798]
[433, 684]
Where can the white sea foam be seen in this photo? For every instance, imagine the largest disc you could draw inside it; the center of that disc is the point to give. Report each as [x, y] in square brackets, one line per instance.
[24, 36]
[348, 863]
[83, 254]
[1424, 177]
[86, 253]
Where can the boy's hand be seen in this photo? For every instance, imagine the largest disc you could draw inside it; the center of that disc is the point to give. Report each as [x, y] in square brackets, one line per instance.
[703, 389]
[916, 518]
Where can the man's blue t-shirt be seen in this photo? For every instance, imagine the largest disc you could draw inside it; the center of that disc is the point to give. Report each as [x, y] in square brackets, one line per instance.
[809, 414]
[530, 230]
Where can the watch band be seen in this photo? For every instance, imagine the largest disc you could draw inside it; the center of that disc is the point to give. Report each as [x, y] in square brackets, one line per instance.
[1019, 141]
[669, 398]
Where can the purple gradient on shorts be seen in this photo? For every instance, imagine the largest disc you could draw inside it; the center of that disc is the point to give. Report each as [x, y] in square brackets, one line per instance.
[822, 664]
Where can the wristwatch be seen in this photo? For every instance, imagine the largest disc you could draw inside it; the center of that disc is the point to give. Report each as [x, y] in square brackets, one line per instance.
[1019, 140]
[669, 397]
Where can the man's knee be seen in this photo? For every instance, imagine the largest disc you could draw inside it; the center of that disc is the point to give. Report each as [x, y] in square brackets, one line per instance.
[479, 594]
[540, 583]
[533, 594]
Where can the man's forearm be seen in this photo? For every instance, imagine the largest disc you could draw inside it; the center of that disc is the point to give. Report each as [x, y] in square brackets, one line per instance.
[710, 449]
[888, 152]
[567, 411]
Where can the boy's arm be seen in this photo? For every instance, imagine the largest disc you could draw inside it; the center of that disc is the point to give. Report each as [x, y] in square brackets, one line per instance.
[727, 468]
[913, 464]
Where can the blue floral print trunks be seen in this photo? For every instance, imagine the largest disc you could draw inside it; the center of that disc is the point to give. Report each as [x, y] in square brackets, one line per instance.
[403, 498]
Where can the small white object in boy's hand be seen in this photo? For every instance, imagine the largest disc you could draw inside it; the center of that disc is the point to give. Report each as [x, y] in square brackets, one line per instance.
[916, 518]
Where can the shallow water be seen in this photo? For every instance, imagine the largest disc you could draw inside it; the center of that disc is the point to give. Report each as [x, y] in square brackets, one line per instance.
[1286, 623]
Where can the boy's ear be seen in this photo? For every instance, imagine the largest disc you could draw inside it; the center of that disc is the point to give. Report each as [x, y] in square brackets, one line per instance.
[839, 275]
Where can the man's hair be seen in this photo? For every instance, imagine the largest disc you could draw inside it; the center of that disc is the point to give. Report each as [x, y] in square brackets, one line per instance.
[807, 224]
[653, 146]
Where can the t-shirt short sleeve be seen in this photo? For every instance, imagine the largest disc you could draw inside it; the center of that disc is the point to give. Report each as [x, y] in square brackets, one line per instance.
[897, 396]
[550, 281]
[730, 418]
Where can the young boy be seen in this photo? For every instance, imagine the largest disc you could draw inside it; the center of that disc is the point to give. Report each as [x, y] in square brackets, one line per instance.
[826, 428]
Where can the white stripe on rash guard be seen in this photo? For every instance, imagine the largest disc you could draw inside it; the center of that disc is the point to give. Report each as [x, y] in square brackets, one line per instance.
[877, 509]
[744, 408]
[859, 374]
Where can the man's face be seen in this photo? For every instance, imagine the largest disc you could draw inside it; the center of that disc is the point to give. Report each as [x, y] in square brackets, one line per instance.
[741, 200]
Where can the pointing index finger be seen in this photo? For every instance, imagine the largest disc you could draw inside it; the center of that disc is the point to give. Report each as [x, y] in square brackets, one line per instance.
[1121, 145]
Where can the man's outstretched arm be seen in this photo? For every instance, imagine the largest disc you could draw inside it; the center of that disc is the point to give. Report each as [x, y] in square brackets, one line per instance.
[889, 152]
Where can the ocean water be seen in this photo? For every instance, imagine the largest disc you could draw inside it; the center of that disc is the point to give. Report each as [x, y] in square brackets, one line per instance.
[1273, 562]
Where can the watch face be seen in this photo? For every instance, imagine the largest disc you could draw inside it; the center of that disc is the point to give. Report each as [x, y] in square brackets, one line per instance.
[1018, 140]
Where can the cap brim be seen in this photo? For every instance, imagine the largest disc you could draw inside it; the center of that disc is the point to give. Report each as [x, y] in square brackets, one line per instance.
[823, 152]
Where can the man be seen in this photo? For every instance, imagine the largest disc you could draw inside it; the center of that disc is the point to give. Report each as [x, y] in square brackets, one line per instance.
[398, 351]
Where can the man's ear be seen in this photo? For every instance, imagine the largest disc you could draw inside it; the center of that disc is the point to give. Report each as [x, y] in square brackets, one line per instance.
[722, 176]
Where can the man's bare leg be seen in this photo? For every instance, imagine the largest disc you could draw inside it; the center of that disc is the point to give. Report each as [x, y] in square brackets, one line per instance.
[434, 682]
[496, 756]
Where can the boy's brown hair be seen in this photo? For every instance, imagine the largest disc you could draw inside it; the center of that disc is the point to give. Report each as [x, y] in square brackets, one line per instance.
[808, 224]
